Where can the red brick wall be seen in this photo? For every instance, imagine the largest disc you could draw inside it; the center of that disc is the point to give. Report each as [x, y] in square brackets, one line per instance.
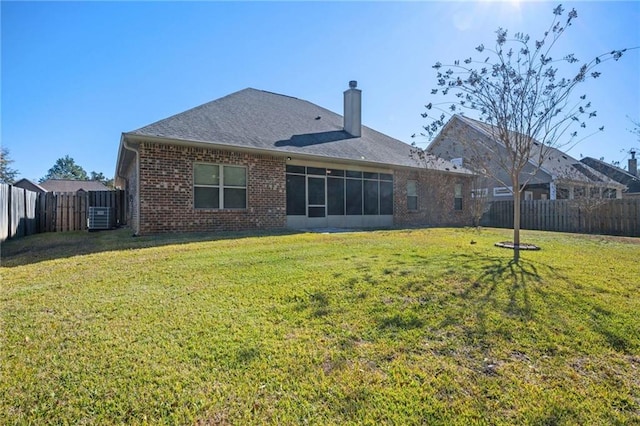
[435, 199]
[166, 191]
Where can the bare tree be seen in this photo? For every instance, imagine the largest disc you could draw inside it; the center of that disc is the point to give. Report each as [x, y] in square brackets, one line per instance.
[517, 91]
[636, 128]
[636, 131]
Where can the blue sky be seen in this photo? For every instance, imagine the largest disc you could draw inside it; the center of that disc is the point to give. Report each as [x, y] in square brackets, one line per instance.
[75, 75]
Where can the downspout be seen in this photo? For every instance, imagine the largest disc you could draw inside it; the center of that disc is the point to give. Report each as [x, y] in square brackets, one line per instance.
[128, 147]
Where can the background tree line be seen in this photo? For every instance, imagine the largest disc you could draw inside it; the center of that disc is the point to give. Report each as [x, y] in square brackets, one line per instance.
[64, 168]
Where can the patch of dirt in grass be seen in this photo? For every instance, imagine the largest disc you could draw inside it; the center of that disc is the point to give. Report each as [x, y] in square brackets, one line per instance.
[219, 418]
[627, 240]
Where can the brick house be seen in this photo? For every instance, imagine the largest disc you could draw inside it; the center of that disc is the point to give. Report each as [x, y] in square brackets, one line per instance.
[260, 160]
[549, 173]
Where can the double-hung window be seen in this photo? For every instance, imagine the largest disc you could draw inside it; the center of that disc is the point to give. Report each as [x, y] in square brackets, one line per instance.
[457, 196]
[219, 187]
[412, 195]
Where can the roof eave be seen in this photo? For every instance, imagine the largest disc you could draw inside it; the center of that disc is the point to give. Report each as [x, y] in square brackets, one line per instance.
[123, 156]
[138, 138]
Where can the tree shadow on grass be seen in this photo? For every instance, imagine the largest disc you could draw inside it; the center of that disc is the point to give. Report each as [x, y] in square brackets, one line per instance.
[518, 277]
[490, 301]
[508, 288]
[316, 303]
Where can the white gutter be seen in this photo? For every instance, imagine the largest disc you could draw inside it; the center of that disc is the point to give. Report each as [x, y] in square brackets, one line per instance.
[125, 144]
[280, 153]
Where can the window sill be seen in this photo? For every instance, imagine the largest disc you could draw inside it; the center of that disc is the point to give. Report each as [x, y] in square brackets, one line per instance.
[214, 210]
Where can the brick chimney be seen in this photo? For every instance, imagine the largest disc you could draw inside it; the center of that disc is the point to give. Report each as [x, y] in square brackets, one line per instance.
[633, 164]
[353, 110]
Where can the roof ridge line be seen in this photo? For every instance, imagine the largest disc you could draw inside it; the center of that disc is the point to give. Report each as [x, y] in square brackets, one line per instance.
[277, 94]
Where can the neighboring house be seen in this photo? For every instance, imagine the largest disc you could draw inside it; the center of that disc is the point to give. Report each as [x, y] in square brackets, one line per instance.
[470, 143]
[261, 160]
[70, 185]
[628, 178]
[28, 185]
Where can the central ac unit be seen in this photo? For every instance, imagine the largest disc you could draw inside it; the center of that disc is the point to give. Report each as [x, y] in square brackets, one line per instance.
[100, 218]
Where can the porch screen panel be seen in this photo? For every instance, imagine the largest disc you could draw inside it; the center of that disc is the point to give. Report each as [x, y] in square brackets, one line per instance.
[371, 197]
[335, 196]
[317, 192]
[386, 197]
[316, 196]
[354, 196]
[296, 195]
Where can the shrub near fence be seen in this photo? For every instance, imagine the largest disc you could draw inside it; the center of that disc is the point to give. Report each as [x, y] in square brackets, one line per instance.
[587, 216]
[24, 212]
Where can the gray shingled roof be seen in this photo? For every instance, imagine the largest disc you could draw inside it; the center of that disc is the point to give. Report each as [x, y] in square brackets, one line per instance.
[265, 121]
[28, 185]
[615, 173]
[69, 185]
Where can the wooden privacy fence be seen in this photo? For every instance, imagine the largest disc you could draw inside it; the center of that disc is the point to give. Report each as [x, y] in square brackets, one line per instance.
[17, 212]
[67, 211]
[587, 216]
[24, 212]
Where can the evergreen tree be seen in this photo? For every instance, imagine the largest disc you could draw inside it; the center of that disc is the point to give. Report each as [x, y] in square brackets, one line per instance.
[7, 174]
[66, 168]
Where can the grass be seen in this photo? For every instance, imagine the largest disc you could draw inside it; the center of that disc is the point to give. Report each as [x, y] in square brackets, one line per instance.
[431, 326]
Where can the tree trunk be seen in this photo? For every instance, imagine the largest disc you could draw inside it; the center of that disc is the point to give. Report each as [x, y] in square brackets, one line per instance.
[516, 220]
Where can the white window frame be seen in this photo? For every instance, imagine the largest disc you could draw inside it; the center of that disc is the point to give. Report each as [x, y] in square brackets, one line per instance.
[480, 193]
[457, 195]
[503, 191]
[415, 186]
[221, 187]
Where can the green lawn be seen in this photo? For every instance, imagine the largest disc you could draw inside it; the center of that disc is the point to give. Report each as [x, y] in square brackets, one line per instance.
[432, 326]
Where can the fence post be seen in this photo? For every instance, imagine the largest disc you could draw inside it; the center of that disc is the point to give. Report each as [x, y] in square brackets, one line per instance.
[10, 212]
[5, 211]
